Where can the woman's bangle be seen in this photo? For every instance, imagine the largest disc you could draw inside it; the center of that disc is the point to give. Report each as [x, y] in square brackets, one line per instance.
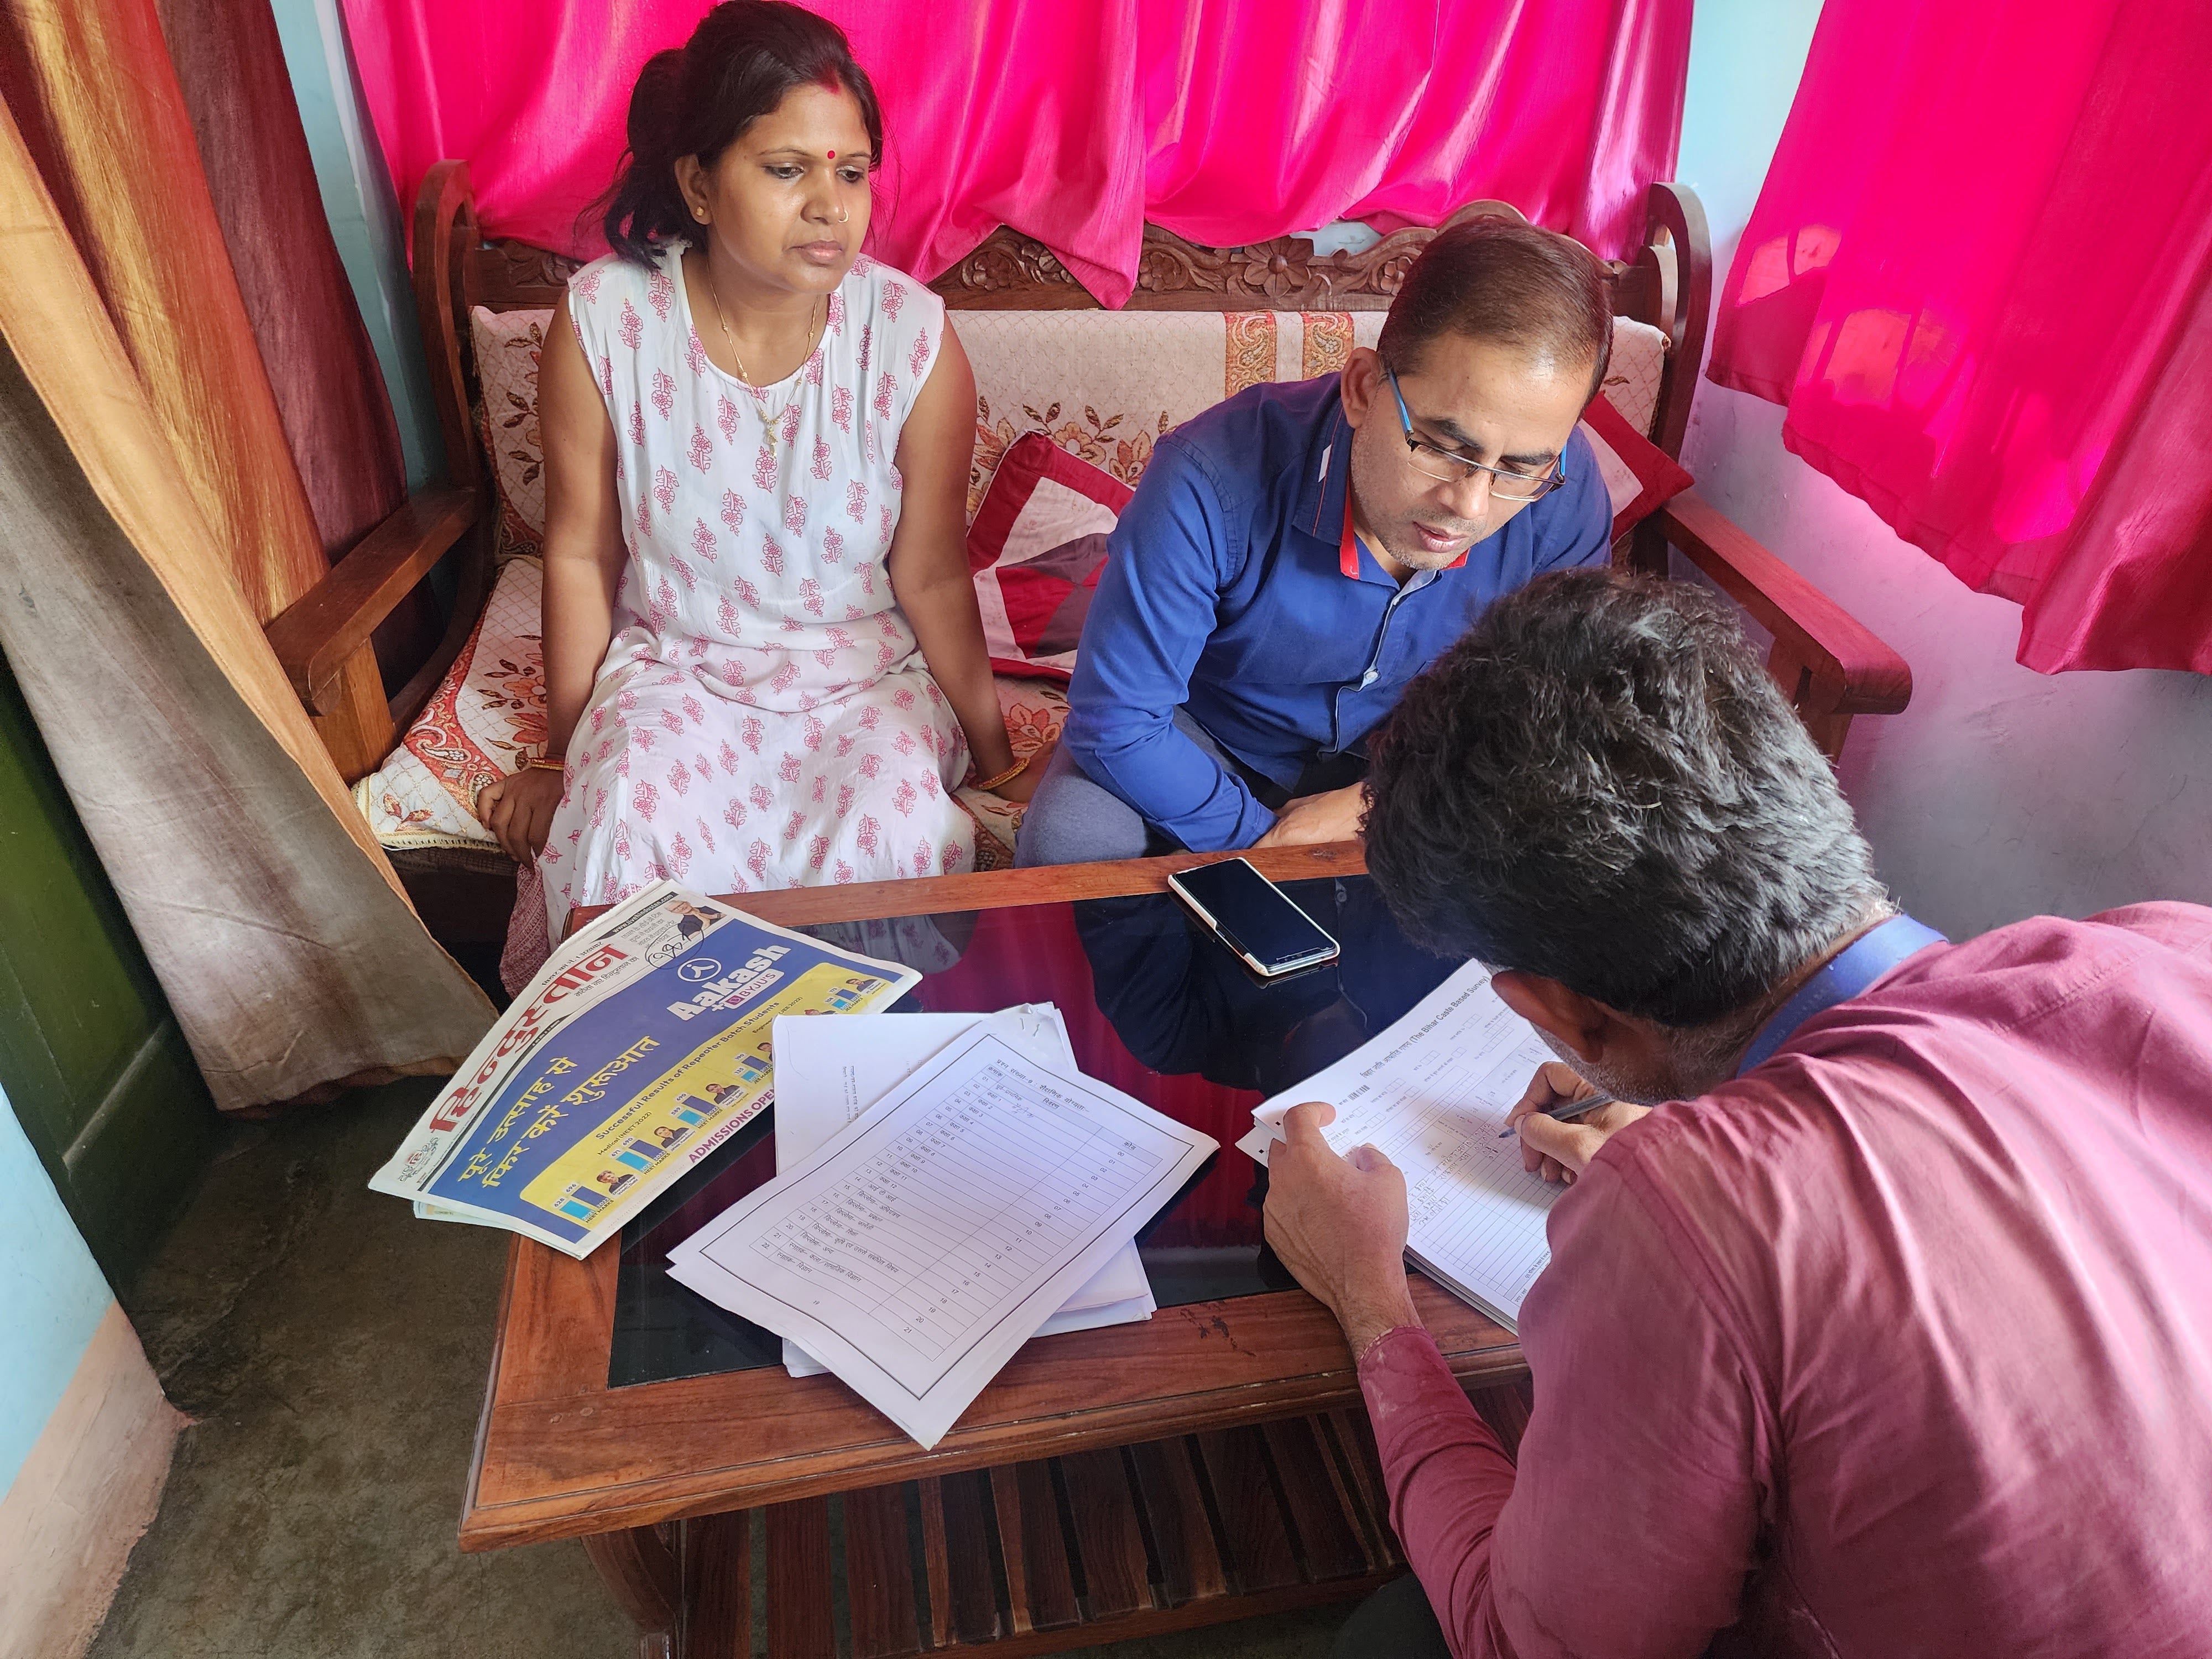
[546, 764]
[1007, 776]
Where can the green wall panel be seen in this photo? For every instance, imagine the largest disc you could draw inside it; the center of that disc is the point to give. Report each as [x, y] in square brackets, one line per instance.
[93, 1065]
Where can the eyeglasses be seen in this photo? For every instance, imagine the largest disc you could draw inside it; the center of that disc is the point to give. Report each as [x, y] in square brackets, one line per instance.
[1457, 469]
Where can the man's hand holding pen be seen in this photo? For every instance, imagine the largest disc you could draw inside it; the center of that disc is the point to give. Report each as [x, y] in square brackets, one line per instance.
[1562, 1121]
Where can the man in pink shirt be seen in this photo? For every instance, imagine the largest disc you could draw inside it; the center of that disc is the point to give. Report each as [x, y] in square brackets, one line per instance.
[1890, 1332]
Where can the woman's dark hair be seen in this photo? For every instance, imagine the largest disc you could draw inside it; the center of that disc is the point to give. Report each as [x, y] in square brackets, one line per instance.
[741, 62]
[1602, 784]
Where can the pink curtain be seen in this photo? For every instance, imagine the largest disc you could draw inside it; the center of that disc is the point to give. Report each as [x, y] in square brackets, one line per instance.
[1074, 120]
[1979, 276]
[1265, 116]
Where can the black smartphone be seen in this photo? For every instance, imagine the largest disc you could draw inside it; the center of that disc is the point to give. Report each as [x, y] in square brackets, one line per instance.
[1253, 917]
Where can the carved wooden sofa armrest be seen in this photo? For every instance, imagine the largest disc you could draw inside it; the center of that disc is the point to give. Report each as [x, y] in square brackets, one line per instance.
[1830, 664]
[327, 629]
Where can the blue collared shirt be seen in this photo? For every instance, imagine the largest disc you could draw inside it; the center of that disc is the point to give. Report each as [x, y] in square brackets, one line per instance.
[1223, 594]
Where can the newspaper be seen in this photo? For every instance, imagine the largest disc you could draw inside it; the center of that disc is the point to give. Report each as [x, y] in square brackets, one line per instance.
[642, 1045]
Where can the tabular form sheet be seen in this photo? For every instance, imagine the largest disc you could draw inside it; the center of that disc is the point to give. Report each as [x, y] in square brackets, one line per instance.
[828, 1073]
[1431, 1094]
[917, 1250]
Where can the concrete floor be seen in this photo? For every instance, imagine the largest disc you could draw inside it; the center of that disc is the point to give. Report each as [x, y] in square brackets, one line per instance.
[332, 1350]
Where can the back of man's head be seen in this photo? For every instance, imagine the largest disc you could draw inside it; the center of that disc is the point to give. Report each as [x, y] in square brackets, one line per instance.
[1497, 279]
[1601, 785]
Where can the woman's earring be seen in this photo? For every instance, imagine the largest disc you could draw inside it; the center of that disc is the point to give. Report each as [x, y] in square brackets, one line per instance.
[700, 214]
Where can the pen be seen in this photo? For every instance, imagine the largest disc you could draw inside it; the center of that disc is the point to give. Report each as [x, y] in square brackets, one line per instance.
[1570, 1111]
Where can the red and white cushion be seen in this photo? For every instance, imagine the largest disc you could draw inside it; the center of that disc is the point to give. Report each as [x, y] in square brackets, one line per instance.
[1640, 477]
[1036, 550]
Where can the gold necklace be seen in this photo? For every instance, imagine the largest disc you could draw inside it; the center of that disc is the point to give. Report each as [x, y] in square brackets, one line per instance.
[770, 424]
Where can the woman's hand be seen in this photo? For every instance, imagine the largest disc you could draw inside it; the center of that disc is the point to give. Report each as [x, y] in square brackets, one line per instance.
[928, 559]
[518, 810]
[1024, 783]
[1560, 1151]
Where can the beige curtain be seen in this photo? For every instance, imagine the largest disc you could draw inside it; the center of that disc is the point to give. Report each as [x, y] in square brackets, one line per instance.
[131, 615]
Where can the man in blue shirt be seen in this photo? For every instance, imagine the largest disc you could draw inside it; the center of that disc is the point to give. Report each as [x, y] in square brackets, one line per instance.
[1294, 556]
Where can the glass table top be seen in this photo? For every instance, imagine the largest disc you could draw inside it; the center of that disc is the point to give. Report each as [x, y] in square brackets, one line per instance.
[1153, 1006]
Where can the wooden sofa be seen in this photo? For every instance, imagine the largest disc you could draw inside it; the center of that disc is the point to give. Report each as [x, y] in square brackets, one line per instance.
[1833, 667]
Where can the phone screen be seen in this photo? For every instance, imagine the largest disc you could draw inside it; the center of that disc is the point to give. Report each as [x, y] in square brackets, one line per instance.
[1254, 917]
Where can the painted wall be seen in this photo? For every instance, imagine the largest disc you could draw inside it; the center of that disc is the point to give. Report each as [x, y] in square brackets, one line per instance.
[55, 1297]
[364, 215]
[2000, 793]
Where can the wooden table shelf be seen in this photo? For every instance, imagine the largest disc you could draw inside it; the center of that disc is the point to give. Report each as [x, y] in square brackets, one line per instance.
[1033, 1557]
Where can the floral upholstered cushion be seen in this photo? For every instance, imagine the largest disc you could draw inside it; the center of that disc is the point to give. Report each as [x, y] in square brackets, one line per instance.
[1104, 386]
[485, 718]
[507, 345]
[1632, 377]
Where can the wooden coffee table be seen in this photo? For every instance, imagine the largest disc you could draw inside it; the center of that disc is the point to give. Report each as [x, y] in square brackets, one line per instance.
[1212, 1463]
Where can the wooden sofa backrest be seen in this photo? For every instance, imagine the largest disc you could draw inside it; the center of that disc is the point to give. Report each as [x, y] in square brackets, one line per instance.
[1667, 283]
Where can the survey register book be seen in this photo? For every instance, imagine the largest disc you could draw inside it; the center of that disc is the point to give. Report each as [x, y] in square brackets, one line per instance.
[1431, 1094]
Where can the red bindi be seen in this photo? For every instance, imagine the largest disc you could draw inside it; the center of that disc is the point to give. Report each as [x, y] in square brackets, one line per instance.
[833, 154]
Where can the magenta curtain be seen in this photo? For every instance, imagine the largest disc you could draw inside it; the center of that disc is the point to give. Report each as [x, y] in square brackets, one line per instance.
[1979, 276]
[1268, 116]
[1075, 120]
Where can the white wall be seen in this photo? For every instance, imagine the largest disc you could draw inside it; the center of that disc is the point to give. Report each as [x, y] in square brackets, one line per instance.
[2000, 793]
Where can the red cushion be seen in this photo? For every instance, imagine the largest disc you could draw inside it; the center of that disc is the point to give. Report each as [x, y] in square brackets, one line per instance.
[1036, 550]
[1640, 477]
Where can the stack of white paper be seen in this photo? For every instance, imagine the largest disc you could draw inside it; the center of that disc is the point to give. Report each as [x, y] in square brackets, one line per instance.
[829, 1073]
[916, 1250]
[1431, 1094]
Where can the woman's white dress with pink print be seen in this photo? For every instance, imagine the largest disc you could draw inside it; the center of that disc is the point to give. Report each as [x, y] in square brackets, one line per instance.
[763, 718]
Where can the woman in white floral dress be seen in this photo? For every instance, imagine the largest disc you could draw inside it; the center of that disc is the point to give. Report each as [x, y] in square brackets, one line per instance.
[764, 665]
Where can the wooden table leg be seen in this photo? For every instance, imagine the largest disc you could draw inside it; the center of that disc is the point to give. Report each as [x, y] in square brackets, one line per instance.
[639, 1570]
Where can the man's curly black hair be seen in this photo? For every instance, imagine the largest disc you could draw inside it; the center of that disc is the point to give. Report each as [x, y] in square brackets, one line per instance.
[1600, 784]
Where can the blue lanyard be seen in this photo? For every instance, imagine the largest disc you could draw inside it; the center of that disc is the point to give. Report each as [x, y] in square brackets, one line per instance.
[1853, 969]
